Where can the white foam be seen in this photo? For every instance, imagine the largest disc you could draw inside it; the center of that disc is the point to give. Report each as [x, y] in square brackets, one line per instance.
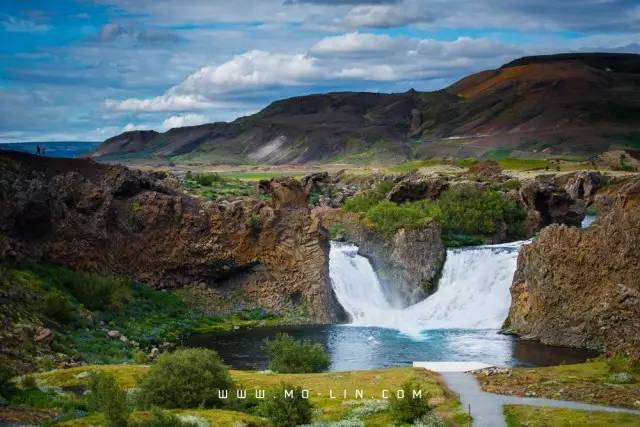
[473, 292]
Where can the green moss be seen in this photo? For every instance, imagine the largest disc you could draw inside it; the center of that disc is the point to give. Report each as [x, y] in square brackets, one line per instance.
[415, 165]
[523, 164]
[336, 230]
[387, 217]
[520, 416]
[497, 154]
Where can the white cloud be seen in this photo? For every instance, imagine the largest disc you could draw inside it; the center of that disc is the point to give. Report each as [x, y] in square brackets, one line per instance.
[166, 102]
[253, 69]
[353, 43]
[384, 16]
[183, 120]
[17, 25]
[130, 126]
[369, 72]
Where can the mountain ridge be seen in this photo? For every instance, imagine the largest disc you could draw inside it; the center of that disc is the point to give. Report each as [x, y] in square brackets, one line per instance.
[563, 104]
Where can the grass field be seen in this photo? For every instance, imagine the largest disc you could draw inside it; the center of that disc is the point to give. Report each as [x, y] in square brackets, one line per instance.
[532, 416]
[327, 408]
[585, 382]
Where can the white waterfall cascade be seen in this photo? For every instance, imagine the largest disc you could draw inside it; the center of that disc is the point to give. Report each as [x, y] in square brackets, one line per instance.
[473, 292]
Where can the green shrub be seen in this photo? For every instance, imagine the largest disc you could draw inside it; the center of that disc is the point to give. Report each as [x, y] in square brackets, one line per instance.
[365, 200]
[161, 418]
[139, 357]
[388, 217]
[337, 230]
[472, 211]
[410, 407]
[361, 202]
[286, 411]
[289, 355]
[620, 364]
[188, 378]
[7, 387]
[207, 179]
[29, 382]
[96, 292]
[108, 397]
[57, 306]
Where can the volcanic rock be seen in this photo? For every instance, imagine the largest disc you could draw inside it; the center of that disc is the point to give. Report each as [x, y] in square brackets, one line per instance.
[114, 220]
[580, 288]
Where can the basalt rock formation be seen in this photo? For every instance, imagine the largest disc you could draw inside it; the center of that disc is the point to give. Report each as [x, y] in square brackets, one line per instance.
[580, 288]
[114, 220]
[408, 264]
[549, 203]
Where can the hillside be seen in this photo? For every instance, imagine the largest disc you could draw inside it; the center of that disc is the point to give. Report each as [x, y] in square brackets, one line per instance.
[566, 104]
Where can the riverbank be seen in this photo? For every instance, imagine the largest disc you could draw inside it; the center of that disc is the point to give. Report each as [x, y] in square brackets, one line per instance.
[78, 317]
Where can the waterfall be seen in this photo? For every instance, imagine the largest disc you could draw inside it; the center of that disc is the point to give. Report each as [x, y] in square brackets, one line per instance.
[473, 292]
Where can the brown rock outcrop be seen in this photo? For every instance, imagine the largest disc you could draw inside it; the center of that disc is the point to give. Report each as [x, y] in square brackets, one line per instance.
[581, 288]
[488, 169]
[548, 203]
[413, 188]
[114, 220]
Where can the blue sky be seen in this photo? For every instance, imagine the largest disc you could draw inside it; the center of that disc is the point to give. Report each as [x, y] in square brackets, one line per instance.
[88, 70]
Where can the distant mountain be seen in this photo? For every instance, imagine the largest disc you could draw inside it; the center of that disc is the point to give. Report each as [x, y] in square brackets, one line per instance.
[566, 104]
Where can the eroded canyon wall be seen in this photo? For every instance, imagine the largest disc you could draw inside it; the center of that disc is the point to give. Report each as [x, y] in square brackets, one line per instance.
[114, 220]
[581, 288]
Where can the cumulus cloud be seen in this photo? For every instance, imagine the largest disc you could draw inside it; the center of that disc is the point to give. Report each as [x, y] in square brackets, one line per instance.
[114, 32]
[252, 69]
[166, 102]
[386, 16]
[183, 120]
[16, 25]
[348, 57]
[353, 43]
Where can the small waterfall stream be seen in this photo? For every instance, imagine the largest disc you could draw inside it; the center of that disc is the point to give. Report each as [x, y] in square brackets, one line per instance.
[473, 292]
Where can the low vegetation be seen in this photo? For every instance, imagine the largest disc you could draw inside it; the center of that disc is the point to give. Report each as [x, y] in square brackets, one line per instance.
[215, 186]
[81, 308]
[410, 405]
[286, 411]
[288, 355]
[614, 381]
[468, 214]
[521, 416]
[109, 398]
[372, 409]
[189, 378]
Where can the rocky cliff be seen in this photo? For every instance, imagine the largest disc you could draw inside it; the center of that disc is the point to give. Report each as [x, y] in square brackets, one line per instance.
[114, 220]
[408, 263]
[581, 288]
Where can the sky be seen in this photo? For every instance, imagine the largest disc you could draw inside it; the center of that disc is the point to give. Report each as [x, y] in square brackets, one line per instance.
[87, 70]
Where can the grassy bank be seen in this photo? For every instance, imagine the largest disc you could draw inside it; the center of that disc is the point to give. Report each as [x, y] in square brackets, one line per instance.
[372, 410]
[613, 381]
[468, 214]
[532, 416]
[80, 309]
